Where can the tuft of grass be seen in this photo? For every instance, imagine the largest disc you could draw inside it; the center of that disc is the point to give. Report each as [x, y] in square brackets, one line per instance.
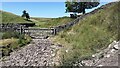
[10, 34]
[90, 35]
[7, 41]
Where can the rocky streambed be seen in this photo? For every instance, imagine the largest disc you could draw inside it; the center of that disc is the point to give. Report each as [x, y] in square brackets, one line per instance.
[107, 57]
[40, 52]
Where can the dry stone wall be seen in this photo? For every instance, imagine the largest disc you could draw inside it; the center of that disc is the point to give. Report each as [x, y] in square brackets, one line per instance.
[10, 27]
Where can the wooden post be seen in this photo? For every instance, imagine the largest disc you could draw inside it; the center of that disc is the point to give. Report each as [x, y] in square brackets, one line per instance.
[54, 31]
[20, 29]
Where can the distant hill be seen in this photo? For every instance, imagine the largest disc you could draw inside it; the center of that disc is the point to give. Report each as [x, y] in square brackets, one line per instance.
[51, 22]
[7, 17]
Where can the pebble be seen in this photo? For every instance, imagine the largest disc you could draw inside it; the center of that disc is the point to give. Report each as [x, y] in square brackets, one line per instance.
[100, 65]
[116, 47]
[112, 50]
[66, 51]
[93, 56]
[107, 56]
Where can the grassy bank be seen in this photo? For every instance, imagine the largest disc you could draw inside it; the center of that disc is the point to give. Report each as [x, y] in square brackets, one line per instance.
[90, 35]
[11, 41]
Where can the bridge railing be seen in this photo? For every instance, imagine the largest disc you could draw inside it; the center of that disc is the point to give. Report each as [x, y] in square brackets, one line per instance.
[38, 31]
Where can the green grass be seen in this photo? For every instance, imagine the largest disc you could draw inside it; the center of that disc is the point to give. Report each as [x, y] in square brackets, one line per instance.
[11, 41]
[90, 35]
[52, 22]
[7, 17]
[1, 34]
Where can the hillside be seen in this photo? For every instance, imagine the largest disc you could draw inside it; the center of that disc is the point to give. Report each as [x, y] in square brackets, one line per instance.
[92, 34]
[8, 17]
[51, 22]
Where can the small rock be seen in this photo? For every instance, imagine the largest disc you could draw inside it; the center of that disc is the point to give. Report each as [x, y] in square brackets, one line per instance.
[100, 65]
[107, 56]
[112, 51]
[53, 54]
[59, 45]
[112, 44]
[75, 64]
[116, 47]
[83, 63]
[80, 64]
[114, 41]
[52, 44]
[53, 63]
[44, 61]
[66, 51]
[93, 56]
[46, 37]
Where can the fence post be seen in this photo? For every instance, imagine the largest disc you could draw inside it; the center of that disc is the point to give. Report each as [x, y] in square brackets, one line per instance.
[28, 31]
[54, 31]
[20, 29]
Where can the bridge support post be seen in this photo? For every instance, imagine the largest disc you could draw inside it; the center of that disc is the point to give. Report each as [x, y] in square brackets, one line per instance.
[21, 29]
[54, 31]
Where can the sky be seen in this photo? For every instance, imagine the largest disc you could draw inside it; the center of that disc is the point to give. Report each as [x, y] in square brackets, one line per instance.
[38, 9]
[47, 0]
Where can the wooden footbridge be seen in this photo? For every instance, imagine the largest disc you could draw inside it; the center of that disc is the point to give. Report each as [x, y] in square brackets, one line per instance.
[38, 32]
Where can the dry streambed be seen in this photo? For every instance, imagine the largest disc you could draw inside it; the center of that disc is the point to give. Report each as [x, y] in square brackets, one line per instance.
[40, 52]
